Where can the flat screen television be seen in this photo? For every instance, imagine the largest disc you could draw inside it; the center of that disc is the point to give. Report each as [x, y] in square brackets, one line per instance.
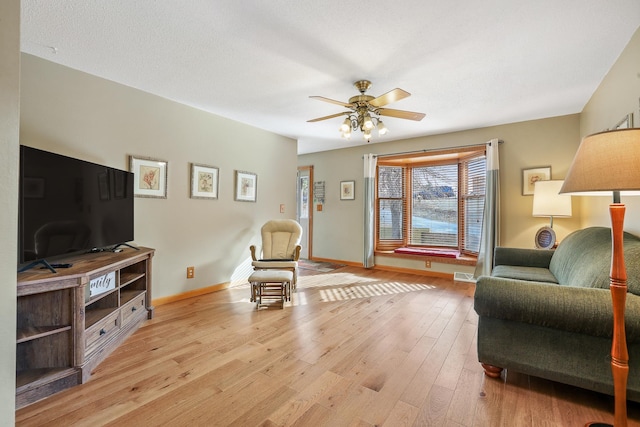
[69, 206]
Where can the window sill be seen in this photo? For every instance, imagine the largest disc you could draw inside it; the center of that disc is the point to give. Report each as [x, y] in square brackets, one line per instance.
[459, 260]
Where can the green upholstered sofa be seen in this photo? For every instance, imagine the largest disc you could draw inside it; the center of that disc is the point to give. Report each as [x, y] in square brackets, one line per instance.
[549, 313]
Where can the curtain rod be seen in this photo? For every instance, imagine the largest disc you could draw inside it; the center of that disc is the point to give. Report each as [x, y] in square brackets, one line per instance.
[427, 150]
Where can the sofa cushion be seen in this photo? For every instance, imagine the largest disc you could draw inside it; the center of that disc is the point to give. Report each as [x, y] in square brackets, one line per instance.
[580, 310]
[535, 274]
[522, 257]
[583, 259]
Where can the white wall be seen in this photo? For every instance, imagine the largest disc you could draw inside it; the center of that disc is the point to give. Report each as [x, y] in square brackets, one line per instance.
[338, 229]
[81, 115]
[9, 124]
[617, 96]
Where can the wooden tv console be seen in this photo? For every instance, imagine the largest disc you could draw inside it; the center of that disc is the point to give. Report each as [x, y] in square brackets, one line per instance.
[69, 321]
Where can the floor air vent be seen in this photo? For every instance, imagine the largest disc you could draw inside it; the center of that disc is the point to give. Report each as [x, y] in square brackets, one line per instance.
[463, 277]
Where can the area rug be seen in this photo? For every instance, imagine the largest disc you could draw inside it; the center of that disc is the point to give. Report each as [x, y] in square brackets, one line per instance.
[311, 267]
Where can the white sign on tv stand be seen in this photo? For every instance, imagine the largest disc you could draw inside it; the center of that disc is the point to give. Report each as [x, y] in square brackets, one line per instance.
[102, 284]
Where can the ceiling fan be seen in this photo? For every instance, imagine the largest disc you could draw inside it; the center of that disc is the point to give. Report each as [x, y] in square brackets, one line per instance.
[364, 110]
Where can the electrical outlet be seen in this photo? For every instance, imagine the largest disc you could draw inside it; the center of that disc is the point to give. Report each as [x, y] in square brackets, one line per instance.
[191, 271]
[427, 264]
[281, 208]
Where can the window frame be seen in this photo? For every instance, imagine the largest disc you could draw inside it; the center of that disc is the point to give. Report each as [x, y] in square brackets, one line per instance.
[407, 163]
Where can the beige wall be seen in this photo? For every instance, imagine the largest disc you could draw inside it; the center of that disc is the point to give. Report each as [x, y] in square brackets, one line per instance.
[9, 125]
[80, 115]
[617, 96]
[338, 229]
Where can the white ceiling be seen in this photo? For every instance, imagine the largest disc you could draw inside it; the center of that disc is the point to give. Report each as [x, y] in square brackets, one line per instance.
[467, 63]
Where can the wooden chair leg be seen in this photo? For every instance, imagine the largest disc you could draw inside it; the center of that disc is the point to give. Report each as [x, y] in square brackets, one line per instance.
[253, 291]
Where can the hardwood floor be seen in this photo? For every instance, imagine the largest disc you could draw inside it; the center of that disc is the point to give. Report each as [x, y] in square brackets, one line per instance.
[354, 348]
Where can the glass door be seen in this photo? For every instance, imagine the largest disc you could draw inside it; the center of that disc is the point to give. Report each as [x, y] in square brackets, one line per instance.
[304, 211]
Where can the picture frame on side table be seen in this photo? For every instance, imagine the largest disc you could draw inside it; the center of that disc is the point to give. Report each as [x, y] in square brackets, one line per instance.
[204, 181]
[246, 187]
[150, 177]
[531, 175]
[347, 190]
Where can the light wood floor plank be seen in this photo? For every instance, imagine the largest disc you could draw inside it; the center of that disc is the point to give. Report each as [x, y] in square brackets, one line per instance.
[296, 406]
[402, 415]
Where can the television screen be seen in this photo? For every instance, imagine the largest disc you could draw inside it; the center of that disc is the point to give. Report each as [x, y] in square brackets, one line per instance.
[69, 205]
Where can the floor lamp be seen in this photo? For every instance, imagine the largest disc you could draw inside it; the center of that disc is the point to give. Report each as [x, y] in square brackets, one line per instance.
[607, 163]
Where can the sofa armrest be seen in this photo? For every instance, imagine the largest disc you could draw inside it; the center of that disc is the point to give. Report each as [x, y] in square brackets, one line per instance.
[574, 309]
[522, 257]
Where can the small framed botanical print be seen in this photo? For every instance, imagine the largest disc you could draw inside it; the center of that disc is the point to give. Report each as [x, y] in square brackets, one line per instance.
[530, 176]
[347, 190]
[246, 187]
[150, 177]
[204, 181]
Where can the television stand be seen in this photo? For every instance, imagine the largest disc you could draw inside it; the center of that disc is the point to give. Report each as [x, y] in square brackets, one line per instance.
[69, 322]
[33, 264]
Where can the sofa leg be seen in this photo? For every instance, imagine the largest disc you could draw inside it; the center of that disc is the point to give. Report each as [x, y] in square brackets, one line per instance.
[491, 371]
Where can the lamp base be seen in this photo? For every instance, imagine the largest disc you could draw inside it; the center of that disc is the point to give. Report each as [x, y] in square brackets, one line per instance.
[545, 238]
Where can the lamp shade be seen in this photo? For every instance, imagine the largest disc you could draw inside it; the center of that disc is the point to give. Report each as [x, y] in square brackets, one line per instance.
[548, 202]
[606, 162]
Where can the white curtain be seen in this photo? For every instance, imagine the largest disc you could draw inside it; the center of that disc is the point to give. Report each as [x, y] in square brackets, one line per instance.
[370, 162]
[490, 235]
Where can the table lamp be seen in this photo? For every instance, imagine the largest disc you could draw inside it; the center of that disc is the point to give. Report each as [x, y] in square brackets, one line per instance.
[607, 163]
[547, 202]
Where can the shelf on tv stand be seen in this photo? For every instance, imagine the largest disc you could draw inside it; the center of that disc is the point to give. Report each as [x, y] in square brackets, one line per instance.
[35, 332]
[63, 334]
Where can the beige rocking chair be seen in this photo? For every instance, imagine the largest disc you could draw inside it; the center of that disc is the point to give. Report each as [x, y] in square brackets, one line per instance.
[280, 247]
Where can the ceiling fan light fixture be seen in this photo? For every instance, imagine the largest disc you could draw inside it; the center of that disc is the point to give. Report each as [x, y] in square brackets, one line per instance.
[382, 129]
[367, 122]
[364, 111]
[346, 126]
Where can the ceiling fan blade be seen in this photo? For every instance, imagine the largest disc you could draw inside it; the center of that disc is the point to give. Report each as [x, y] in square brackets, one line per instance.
[333, 101]
[392, 96]
[329, 117]
[401, 114]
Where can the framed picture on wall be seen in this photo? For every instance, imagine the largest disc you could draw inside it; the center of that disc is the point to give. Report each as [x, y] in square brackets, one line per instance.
[204, 182]
[530, 176]
[625, 123]
[246, 187]
[150, 177]
[347, 190]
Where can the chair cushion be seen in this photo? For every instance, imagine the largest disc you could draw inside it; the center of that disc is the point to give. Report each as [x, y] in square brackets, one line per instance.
[280, 238]
[274, 264]
[271, 276]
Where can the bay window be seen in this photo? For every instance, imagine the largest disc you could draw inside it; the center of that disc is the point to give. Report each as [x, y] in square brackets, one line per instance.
[432, 200]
